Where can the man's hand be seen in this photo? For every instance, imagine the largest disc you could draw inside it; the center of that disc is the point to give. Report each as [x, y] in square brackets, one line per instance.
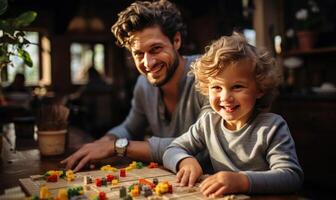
[223, 183]
[96, 150]
[189, 171]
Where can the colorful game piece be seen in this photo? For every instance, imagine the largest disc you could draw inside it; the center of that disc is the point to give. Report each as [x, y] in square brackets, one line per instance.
[70, 176]
[115, 182]
[44, 192]
[98, 182]
[147, 191]
[122, 192]
[155, 181]
[139, 165]
[153, 165]
[52, 178]
[104, 182]
[122, 173]
[102, 196]
[109, 178]
[62, 194]
[108, 168]
[147, 182]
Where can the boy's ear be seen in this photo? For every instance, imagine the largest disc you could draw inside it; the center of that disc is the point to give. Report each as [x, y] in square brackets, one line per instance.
[177, 40]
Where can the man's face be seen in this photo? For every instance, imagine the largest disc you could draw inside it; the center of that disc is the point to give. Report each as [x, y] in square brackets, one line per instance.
[154, 54]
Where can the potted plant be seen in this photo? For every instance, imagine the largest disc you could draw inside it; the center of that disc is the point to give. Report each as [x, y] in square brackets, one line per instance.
[308, 20]
[12, 36]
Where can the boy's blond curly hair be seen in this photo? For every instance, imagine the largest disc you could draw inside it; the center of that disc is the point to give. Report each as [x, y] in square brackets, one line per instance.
[228, 50]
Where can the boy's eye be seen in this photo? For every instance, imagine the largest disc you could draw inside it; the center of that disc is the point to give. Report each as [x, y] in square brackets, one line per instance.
[216, 87]
[237, 87]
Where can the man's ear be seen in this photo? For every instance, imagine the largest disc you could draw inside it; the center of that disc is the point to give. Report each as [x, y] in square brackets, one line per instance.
[177, 41]
[260, 94]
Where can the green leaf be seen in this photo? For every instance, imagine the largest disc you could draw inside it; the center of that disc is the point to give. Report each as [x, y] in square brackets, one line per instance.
[26, 57]
[3, 6]
[25, 19]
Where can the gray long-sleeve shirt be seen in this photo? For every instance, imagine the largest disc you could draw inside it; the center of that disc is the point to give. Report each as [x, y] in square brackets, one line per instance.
[263, 149]
[148, 112]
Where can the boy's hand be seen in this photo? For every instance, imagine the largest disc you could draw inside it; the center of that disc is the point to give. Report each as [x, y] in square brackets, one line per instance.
[189, 171]
[223, 183]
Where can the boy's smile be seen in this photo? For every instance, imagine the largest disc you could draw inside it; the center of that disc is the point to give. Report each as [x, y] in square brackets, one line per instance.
[233, 93]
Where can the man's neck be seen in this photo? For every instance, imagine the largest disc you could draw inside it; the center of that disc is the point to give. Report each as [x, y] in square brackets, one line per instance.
[170, 88]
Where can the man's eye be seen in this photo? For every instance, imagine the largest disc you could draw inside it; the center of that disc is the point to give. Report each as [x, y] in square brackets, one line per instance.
[137, 54]
[156, 49]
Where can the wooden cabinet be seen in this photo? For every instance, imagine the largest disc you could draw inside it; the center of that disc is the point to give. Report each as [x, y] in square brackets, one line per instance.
[311, 119]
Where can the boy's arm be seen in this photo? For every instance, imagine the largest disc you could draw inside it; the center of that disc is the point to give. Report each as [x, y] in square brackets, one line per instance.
[186, 145]
[285, 174]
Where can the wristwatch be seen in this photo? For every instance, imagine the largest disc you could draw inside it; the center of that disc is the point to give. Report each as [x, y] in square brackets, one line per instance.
[120, 146]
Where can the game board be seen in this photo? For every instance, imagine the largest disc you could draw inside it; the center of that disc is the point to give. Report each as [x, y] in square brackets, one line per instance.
[32, 187]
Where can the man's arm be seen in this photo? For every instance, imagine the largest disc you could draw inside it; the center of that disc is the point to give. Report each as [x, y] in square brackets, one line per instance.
[103, 148]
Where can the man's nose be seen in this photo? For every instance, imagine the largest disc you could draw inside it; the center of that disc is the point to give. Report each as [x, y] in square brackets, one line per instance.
[149, 61]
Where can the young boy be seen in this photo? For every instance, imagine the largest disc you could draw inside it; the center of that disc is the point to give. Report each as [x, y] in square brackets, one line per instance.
[251, 151]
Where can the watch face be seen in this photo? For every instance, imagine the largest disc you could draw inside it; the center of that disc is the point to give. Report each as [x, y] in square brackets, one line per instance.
[121, 142]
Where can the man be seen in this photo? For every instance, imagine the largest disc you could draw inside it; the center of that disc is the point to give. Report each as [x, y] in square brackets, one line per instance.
[164, 101]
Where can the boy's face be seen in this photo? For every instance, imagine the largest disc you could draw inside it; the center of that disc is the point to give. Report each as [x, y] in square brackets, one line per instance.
[233, 93]
[154, 54]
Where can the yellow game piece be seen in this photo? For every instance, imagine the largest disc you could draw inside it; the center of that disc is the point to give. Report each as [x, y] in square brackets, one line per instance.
[108, 168]
[44, 192]
[70, 175]
[161, 188]
[62, 194]
[129, 168]
[115, 182]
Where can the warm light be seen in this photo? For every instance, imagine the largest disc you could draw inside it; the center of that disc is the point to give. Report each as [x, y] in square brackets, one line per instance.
[81, 24]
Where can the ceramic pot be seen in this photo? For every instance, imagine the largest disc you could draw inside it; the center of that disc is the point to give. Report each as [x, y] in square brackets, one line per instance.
[306, 39]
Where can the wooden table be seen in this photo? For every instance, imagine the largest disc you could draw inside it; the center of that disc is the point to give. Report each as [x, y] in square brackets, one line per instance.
[20, 158]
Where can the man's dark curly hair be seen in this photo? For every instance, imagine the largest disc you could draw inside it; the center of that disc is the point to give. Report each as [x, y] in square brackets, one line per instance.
[144, 14]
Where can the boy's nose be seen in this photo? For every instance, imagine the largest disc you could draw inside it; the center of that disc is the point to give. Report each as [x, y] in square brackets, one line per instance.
[225, 96]
[149, 61]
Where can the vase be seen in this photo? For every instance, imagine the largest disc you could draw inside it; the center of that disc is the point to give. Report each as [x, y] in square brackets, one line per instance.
[306, 39]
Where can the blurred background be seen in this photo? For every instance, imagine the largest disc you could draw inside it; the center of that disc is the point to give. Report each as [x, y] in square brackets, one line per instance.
[77, 64]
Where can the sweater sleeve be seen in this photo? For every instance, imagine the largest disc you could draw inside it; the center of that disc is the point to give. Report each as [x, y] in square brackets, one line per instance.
[285, 174]
[186, 145]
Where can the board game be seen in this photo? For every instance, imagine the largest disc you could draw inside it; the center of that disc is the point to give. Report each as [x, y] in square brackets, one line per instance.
[112, 189]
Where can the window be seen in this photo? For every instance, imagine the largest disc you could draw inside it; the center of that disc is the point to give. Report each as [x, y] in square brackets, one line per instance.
[83, 56]
[32, 74]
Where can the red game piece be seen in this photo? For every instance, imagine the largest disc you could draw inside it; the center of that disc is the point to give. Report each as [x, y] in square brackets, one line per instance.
[153, 165]
[109, 178]
[98, 182]
[52, 178]
[102, 196]
[122, 173]
[170, 188]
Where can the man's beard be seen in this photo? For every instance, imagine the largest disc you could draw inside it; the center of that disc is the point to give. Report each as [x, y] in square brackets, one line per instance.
[170, 73]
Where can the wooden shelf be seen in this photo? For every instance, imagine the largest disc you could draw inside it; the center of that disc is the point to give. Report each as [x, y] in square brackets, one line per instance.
[298, 52]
